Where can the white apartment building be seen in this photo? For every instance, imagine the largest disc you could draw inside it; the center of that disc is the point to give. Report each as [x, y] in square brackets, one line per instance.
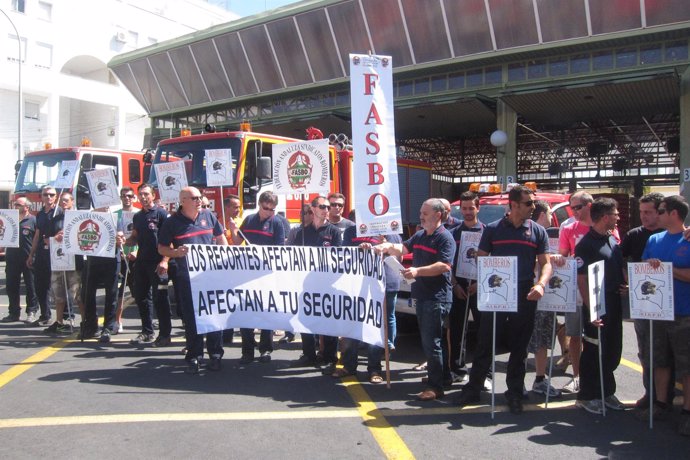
[68, 92]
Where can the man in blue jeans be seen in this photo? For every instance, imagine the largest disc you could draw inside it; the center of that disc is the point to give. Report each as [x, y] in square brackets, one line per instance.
[433, 250]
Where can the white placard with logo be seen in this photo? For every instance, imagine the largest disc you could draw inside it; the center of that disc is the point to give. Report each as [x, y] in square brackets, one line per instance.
[219, 172]
[301, 167]
[89, 233]
[497, 284]
[60, 261]
[597, 290]
[171, 178]
[9, 228]
[560, 293]
[66, 173]
[467, 258]
[651, 291]
[377, 197]
[126, 224]
[103, 187]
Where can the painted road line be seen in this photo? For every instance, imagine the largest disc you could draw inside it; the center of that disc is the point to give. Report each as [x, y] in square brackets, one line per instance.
[385, 435]
[638, 368]
[18, 369]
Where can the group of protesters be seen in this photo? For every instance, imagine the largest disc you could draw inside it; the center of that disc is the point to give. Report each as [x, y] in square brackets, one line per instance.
[154, 244]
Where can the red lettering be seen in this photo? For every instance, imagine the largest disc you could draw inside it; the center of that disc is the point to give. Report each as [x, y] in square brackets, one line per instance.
[371, 140]
[384, 204]
[375, 176]
[369, 83]
[373, 114]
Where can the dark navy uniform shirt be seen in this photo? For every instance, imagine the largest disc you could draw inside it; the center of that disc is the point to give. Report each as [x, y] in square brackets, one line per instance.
[178, 229]
[147, 224]
[426, 250]
[502, 238]
[44, 227]
[326, 235]
[269, 232]
[594, 247]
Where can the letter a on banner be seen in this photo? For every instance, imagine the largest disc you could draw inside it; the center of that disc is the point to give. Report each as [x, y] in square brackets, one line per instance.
[377, 197]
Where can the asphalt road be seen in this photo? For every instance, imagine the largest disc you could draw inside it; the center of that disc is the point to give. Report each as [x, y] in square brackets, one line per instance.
[63, 398]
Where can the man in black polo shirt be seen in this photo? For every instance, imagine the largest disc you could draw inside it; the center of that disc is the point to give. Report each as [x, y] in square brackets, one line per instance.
[192, 225]
[514, 235]
[319, 233]
[149, 269]
[39, 257]
[433, 249]
[599, 244]
[265, 229]
[15, 264]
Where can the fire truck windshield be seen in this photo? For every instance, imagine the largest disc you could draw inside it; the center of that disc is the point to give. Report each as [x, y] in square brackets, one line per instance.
[39, 170]
[193, 153]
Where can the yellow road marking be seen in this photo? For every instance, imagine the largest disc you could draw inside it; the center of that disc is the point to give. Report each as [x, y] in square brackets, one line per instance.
[18, 369]
[385, 435]
[631, 365]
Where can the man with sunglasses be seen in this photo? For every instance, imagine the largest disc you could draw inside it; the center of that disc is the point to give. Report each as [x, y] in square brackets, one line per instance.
[335, 213]
[39, 256]
[265, 229]
[128, 253]
[192, 224]
[320, 233]
[149, 269]
[514, 235]
[15, 264]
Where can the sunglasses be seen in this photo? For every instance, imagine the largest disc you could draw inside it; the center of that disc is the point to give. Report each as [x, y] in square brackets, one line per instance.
[127, 196]
[49, 194]
[577, 207]
[528, 203]
[195, 198]
[268, 209]
[337, 205]
[323, 206]
[206, 206]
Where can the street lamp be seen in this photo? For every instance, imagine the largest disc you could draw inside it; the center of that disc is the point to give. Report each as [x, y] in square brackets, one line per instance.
[19, 88]
[498, 139]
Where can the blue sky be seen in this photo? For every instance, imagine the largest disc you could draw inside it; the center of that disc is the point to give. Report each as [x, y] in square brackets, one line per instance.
[249, 7]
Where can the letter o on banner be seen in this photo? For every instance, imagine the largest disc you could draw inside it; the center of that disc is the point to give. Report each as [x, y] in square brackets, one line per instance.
[382, 202]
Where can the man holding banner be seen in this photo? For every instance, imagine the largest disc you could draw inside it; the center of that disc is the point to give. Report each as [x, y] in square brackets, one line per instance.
[192, 225]
[514, 235]
[433, 250]
[15, 264]
[672, 338]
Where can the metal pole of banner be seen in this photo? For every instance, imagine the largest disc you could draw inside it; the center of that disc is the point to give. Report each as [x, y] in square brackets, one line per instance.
[57, 201]
[652, 390]
[553, 347]
[68, 303]
[601, 373]
[463, 347]
[493, 369]
[222, 206]
[386, 350]
[124, 282]
[302, 208]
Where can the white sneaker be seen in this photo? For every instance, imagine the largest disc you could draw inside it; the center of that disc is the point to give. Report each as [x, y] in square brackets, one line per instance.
[573, 386]
[594, 406]
[487, 384]
[118, 329]
[544, 386]
[30, 318]
[613, 403]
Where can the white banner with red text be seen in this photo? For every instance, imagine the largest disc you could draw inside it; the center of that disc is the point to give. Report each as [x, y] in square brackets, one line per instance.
[335, 291]
[377, 196]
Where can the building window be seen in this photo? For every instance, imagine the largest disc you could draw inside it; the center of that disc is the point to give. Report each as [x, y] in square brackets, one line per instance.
[32, 110]
[12, 50]
[45, 11]
[19, 5]
[43, 55]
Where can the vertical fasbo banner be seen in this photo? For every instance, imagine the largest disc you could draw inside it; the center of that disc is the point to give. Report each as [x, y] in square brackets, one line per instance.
[377, 197]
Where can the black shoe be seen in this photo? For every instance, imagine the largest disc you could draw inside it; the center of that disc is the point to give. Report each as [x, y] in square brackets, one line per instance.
[304, 361]
[105, 336]
[514, 403]
[467, 398]
[10, 319]
[161, 342]
[52, 329]
[328, 369]
[265, 357]
[246, 359]
[192, 367]
[213, 364]
[89, 334]
[41, 321]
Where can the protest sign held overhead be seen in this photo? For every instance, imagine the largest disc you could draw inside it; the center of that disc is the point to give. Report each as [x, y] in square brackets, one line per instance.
[9, 228]
[497, 284]
[651, 291]
[103, 187]
[66, 173]
[336, 291]
[219, 169]
[301, 167]
[89, 233]
[377, 197]
[171, 178]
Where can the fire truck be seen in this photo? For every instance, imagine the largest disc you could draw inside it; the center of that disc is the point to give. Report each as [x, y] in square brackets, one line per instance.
[251, 162]
[40, 168]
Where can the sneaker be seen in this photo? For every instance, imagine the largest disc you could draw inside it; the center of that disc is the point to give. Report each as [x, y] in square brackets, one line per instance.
[89, 334]
[246, 359]
[10, 319]
[142, 338]
[214, 364]
[684, 424]
[461, 377]
[52, 329]
[64, 329]
[573, 386]
[593, 406]
[105, 336]
[118, 329]
[541, 388]
[30, 318]
[161, 342]
[487, 383]
[613, 403]
[41, 321]
[265, 357]
[192, 367]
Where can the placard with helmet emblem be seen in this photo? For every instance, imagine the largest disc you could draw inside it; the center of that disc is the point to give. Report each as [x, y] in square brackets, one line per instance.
[60, 261]
[301, 167]
[171, 178]
[103, 187]
[560, 293]
[219, 168]
[497, 284]
[651, 291]
[9, 228]
[89, 233]
[65, 177]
